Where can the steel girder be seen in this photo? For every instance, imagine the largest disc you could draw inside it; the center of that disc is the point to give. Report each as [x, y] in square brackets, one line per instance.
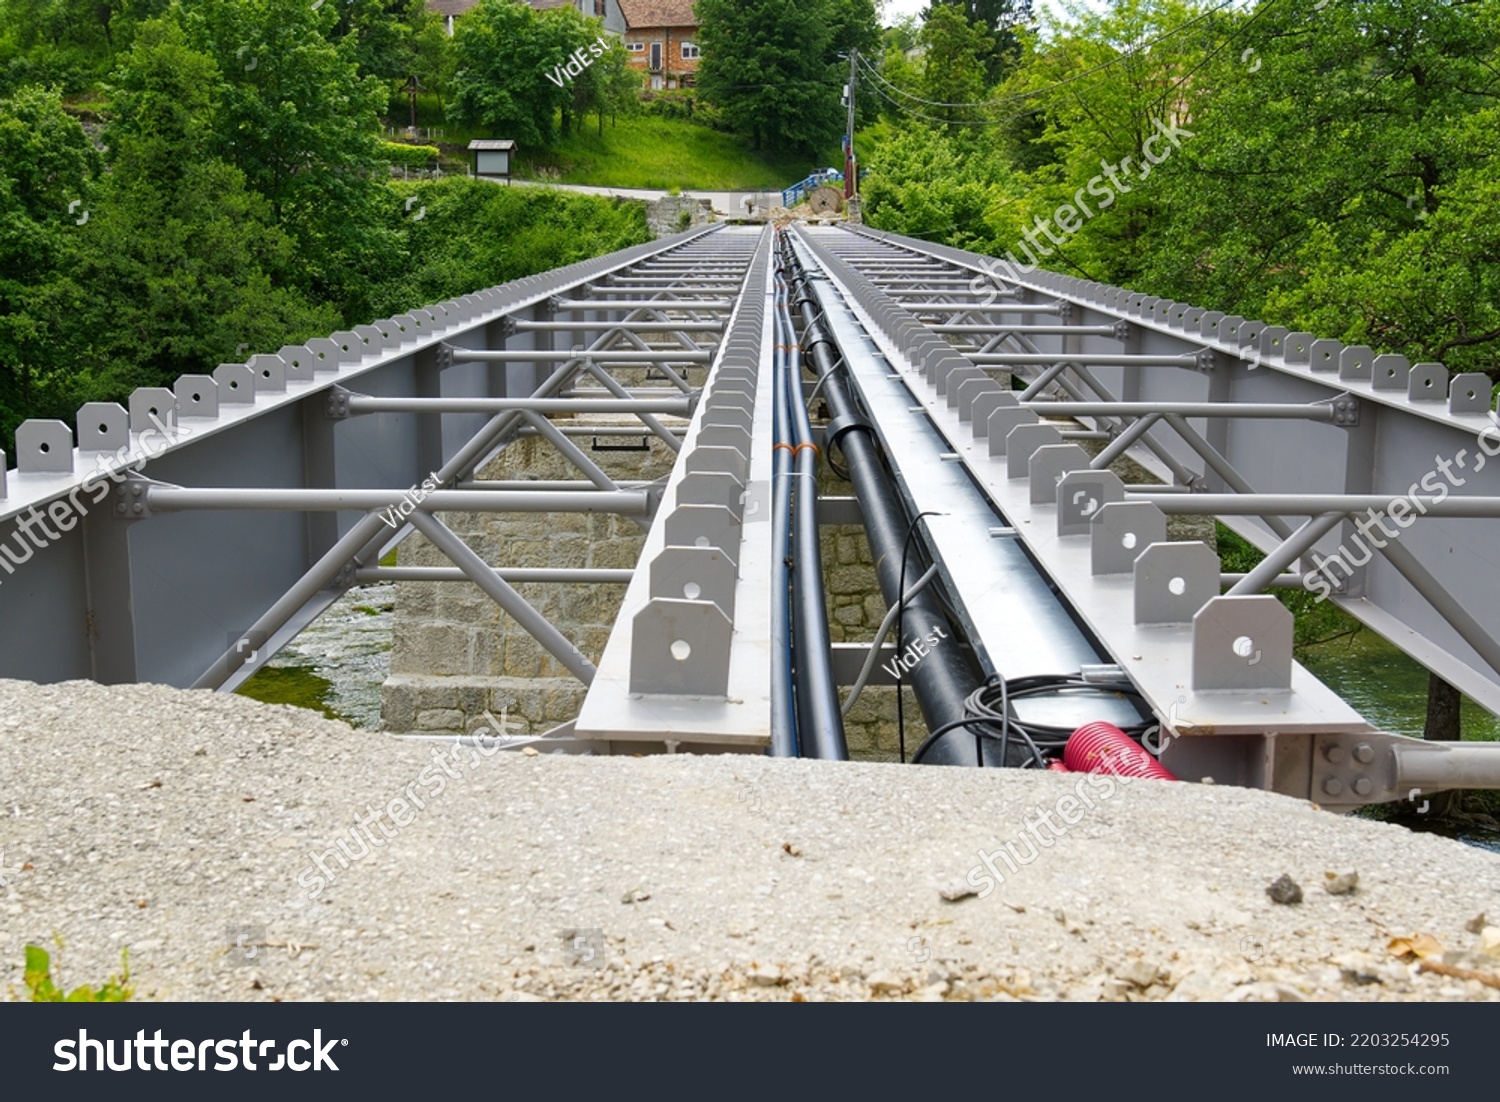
[1165, 381]
[142, 585]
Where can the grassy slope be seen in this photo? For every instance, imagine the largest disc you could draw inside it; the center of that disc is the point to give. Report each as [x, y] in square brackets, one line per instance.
[636, 151]
[645, 152]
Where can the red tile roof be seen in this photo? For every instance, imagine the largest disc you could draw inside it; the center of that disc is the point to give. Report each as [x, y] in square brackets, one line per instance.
[641, 14]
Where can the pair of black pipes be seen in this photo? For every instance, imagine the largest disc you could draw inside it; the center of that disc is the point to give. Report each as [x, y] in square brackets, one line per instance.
[802, 662]
[944, 678]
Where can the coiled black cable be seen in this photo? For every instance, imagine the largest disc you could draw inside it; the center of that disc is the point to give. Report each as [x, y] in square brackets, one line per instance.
[989, 714]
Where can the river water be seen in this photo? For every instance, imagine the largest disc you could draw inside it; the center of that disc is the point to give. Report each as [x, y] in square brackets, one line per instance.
[339, 662]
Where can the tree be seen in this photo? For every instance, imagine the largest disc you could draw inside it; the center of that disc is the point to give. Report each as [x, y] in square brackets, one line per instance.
[47, 166]
[1000, 18]
[299, 121]
[767, 65]
[504, 57]
[608, 86]
[925, 183]
[953, 52]
[176, 264]
[388, 37]
[1346, 186]
[853, 24]
[66, 42]
[476, 235]
[583, 38]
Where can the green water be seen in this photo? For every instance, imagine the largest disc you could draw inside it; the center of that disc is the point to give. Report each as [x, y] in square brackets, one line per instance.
[339, 662]
[299, 686]
[1388, 688]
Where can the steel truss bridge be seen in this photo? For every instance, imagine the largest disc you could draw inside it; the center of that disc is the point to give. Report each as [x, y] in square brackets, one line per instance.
[186, 539]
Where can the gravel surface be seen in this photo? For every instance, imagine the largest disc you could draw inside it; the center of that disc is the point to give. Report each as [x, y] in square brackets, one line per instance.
[179, 824]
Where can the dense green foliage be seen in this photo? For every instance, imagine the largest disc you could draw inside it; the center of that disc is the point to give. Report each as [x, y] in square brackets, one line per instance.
[74, 43]
[1001, 19]
[238, 198]
[508, 76]
[772, 66]
[1333, 167]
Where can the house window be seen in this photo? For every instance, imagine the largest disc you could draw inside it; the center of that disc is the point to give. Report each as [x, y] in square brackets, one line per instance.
[689, 51]
[599, 8]
[635, 47]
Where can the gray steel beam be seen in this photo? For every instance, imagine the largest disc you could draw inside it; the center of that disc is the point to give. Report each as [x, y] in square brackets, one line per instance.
[571, 305]
[604, 431]
[1122, 359]
[641, 326]
[672, 404]
[1306, 505]
[1033, 330]
[157, 498]
[516, 575]
[1317, 411]
[472, 355]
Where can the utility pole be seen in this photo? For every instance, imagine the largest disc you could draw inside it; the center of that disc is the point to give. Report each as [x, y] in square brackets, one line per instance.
[851, 166]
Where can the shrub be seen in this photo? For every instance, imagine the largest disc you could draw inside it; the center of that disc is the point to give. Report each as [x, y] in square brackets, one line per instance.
[408, 156]
[43, 989]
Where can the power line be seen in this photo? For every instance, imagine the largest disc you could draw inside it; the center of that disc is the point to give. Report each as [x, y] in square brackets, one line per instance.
[1062, 83]
[1068, 80]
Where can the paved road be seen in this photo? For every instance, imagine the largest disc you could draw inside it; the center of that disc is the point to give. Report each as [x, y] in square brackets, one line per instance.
[724, 202]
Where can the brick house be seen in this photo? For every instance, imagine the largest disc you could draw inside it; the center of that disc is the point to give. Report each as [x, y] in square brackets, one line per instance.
[661, 39]
[607, 10]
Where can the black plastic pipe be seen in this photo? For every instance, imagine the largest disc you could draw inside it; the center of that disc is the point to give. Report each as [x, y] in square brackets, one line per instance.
[820, 719]
[784, 742]
[944, 678]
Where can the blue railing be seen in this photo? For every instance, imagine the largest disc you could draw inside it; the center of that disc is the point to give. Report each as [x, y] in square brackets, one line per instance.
[799, 191]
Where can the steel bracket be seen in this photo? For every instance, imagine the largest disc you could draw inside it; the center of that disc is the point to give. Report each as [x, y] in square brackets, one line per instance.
[1346, 411]
[1350, 769]
[680, 647]
[694, 574]
[44, 447]
[1080, 495]
[1173, 581]
[1120, 531]
[131, 500]
[1242, 643]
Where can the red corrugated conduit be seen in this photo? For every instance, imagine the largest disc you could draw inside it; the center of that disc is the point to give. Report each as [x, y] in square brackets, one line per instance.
[1104, 748]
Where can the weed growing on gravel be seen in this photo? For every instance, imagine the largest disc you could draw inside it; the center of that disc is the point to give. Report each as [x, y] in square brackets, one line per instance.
[44, 989]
